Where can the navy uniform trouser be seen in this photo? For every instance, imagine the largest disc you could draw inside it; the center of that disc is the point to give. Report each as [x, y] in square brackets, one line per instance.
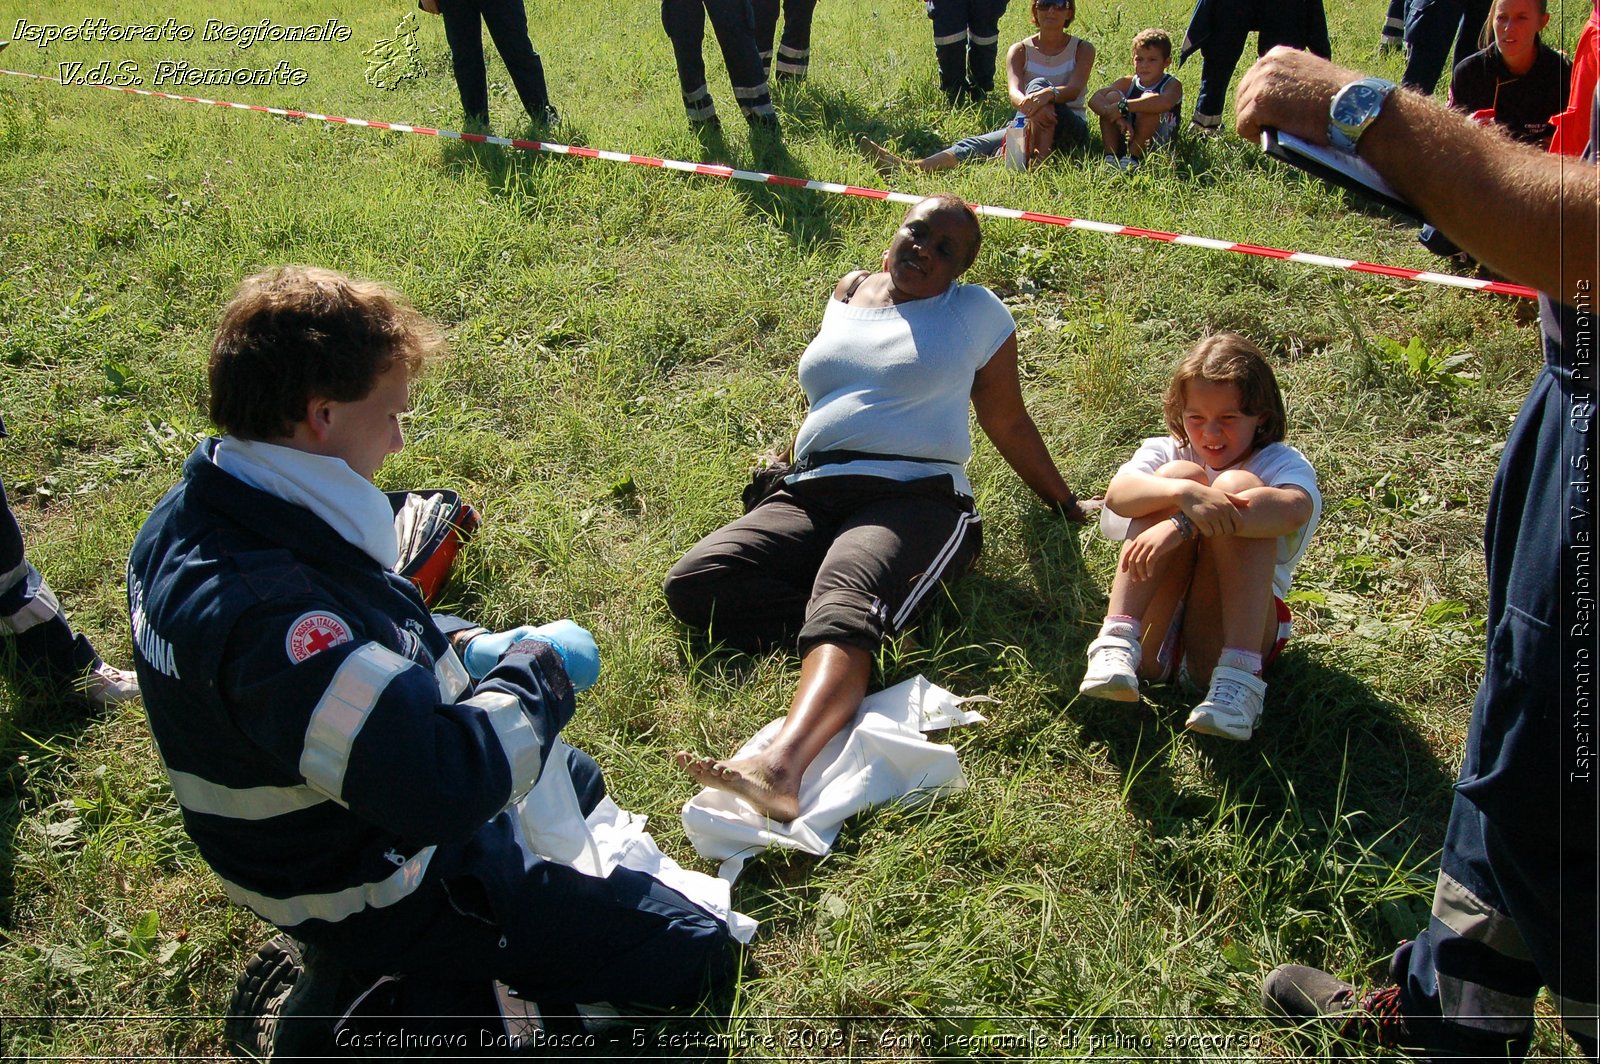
[43, 648]
[734, 23]
[507, 21]
[966, 39]
[1431, 27]
[1511, 913]
[1275, 22]
[794, 50]
[566, 937]
[1516, 900]
[1394, 23]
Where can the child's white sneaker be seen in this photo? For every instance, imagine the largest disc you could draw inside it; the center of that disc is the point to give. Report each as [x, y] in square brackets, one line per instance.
[106, 685]
[1232, 705]
[1113, 669]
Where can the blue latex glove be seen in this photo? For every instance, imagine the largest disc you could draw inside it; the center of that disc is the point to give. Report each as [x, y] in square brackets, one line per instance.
[483, 653]
[579, 654]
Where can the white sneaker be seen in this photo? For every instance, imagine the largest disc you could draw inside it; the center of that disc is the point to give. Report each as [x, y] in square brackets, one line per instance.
[1128, 164]
[106, 685]
[1232, 705]
[1111, 161]
[1113, 669]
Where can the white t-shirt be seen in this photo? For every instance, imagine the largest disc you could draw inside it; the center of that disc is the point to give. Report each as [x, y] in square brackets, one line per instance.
[898, 380]
[1277, 464]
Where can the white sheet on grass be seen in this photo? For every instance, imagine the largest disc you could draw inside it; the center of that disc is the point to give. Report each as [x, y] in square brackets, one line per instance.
[553, 826]
[882, 756]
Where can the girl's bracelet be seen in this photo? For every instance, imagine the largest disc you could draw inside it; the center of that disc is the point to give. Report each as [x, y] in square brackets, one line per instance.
[1184, 525]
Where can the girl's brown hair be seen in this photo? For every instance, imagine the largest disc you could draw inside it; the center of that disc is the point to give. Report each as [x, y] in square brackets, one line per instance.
[1228, 358]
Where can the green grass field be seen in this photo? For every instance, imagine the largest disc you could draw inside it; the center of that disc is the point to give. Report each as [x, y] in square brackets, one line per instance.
[624, 340]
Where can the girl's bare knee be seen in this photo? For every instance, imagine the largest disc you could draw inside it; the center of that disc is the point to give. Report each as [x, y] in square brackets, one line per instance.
[1183, 470]
[1237, 480]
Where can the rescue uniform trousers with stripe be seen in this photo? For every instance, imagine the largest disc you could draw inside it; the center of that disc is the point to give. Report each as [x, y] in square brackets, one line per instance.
[346, 780]
[42, 647]
[794, 50]
[837, 559]
[1515, 905]
[734, 23]
[966, 39]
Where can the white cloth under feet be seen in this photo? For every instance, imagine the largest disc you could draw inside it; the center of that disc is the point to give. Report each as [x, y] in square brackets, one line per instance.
[881, 757]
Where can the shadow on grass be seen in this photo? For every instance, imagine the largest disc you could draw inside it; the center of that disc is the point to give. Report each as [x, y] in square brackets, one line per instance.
[1328, 758]
[504, 170]
[34, 725]
[839, 116]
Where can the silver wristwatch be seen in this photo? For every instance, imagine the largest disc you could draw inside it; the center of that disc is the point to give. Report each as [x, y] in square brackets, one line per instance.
[1354, 108]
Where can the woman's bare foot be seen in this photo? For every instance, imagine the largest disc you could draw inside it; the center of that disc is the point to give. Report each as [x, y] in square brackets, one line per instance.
[750, 778]
[882, 159]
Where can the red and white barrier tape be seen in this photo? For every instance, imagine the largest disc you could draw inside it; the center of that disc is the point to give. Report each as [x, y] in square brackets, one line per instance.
[727, 172]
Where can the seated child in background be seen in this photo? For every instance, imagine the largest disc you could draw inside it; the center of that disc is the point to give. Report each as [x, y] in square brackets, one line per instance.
[1216, 516]
[1140, 111]
[1048, 75]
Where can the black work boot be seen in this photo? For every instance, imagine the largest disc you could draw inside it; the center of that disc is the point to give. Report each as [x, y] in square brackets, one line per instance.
[286, 1003]
[1306, 993]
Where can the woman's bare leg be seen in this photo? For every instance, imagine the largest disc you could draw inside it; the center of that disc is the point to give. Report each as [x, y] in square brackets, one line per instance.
[833, 681]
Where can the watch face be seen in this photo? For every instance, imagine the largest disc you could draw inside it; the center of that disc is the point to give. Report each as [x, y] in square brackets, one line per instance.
[1356, 103]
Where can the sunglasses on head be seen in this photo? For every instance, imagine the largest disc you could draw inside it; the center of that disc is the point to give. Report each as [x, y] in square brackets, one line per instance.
[1053, 3]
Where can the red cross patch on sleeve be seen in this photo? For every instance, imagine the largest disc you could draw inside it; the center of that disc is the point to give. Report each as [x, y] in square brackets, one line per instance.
[312, 633]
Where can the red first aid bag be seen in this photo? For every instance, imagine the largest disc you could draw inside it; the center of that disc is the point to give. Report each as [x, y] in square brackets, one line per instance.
[430, 524]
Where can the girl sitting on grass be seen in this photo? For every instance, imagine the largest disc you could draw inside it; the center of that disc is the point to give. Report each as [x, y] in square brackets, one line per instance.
[1215, 518]
[1048, 75]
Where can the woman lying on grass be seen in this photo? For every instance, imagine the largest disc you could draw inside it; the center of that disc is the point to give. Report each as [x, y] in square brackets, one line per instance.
[878, 510]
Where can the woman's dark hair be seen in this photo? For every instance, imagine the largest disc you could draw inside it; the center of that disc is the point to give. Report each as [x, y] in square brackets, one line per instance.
[949, 201]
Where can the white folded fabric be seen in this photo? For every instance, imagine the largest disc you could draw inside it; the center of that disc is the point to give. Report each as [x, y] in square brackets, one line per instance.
[882, 756]
[553, 826]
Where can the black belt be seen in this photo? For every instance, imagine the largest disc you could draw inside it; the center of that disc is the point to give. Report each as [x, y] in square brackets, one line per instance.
[822, 458]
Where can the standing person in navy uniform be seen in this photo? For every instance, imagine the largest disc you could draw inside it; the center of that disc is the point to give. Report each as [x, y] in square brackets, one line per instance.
[734, 23]
[1514, 908]
[1218, 29]
[350, 765]
[1431, 27]
[41, 651]
[794, 50]
[508, 26]
[966, 41]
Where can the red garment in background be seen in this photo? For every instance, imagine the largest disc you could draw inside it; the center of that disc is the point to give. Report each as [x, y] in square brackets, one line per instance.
[1572, 125]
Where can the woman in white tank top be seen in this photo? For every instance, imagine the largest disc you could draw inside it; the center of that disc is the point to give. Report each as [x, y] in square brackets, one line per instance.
[1048, 74]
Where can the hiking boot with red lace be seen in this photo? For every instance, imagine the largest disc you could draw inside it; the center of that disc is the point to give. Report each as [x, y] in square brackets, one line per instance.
[1306, 993]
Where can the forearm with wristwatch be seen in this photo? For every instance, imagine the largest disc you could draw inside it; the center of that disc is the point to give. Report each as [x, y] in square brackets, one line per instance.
[1513, 208]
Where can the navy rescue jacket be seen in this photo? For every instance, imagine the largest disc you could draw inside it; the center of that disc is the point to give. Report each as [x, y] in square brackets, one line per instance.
[333, 762]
